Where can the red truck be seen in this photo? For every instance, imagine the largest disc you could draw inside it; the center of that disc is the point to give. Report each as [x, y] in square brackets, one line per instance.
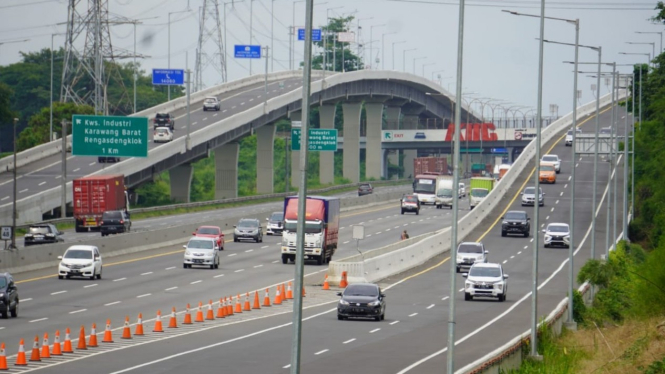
[321, 228]
[430, 165]
[94, 195]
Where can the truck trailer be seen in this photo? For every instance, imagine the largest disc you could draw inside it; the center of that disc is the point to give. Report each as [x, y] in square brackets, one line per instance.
[94, 195]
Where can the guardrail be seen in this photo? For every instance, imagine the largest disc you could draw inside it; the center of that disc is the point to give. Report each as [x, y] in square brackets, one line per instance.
[383, 262]
[233, 200]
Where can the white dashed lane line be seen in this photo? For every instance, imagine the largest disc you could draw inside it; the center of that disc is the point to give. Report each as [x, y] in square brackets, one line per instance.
[148, 273]
[431, 306]
[24, 300]
[243, 103]
[321, 352]
[551, 210]
[113, 303]
[195, 282]
[205, 119]
[249, 250]
[394, 322]
[38, 320]
[265, 246]
[504, 261]
[171, 288]
[258, 266]
[547, 218]
[445, 298]
[239, 270]
[92, 163]
[570, 177]
[413, 314]
[565, 185]
[512, 257]
[375, 330]
[43, 183]
[78, 311]
[194, 123]
[218, 276]
[4, 198]
[22, 191]
[119, 279]
[557, 202]
[461, 289]
[276, 261]
[379, 232]
[561, 194]
[171, 268]
[346, 242]
[91, 285]
[349, 341]
[144, 295]
[224, 111]
[77, 169]
[57, 293]
[232, 254]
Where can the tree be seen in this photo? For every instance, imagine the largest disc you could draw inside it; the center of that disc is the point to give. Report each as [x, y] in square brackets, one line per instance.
[6, 114]
[660, 17]
[37, 131]
[338, 54]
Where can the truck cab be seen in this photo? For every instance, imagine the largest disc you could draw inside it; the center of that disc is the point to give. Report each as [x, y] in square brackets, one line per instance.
[444, 194]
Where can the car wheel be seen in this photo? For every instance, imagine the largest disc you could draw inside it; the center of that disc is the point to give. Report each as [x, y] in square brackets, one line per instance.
[60, 277]
[402, 211]
[99, 276]
[503, 233]
[340, 317]
[235, 240]
[377, 318]
[4, 314]
[457, 271]
[212, 266]
[92, 277]
[383, 316]
[526, 234]
[14, 311]
[184, 266]
[467, 297]
[418, 212]
[502, 298]
[261, 239]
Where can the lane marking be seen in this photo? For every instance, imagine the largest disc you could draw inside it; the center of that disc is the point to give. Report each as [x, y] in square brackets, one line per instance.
[41, 184]
[565, 185]
[91, 285]
[171, 288]
[547, 218]
[78, 311]
[92, 163]
[148, 273]
[144, 295]
[346, 242]
[218, 276]
[349, 341]
[413, 314]
[551, 210]
[239, 270]
[274, 262]
[265, 246]
[172, 267]
[57, 293]
[570, 177]
[258, 266]
[38, 320]
[431, 306]
[445, 298]
[77, 169]
[249, 250]
[24, 300]
[520, 252]
[119, 279]
[557, 202]
[4, 198]
[232, 254]
[205, 119]
[22, 191]
[561, 194]
[195, 282]
[504, 261]
[321, 352]
[113, 303]
[392, 323]
[375, 330]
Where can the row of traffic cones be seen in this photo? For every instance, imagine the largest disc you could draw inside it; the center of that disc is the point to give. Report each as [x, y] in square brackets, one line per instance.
[225, 309]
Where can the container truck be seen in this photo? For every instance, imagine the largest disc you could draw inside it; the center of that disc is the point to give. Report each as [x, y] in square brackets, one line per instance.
[430, 165]
[479, 189]
[321, 228]
[94, 195]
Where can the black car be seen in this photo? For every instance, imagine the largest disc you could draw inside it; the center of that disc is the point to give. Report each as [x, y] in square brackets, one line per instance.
[115, 221]
[516, 222]
[248, 228]
[365, 189]
[8, 296]
[164, 119]
[362, 300]
[103, 159]
[41, 234]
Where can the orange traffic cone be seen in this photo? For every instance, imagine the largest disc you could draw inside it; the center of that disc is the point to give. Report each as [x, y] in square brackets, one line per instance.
[108, 336]
[188, 316]
[35, 350]
[266, 298]
[92, 341]
[247, 306]
[199, 313]
[173, 322]
[81, 344]
[126, 330]
[20, 356]
[3, 357]
[238, 304]
[57, 348]
[278, 297]
[256, 305]
[343, 283]
[46, 350]
[289, 292]
[67, 347]
[210, 315]
[229, 306]
[326, 285]
[139, 325]
[220, 309]
[158, 322]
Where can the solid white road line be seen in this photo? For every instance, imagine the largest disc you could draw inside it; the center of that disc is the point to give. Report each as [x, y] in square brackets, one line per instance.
[373, 331]
[78, 311]
[321, 352]
[349, 341]
[38, 320]
[113, 303]
[57, 293]
[171, 288]
[144, 295]
[195, 282]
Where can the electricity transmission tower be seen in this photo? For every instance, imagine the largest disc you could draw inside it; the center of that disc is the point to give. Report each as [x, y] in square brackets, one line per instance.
[85, 76]
[210, 32]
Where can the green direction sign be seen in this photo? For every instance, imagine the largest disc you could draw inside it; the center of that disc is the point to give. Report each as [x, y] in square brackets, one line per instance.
[319, 140]
[109, 136]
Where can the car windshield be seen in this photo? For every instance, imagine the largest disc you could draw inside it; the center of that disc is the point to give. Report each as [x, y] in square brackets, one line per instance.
[444, 192]
[310, 227]
[546, 168]
[410, 199]
[279, 216]
[39, 230]
[515, 215]
[550, 158]
[210, 100]
[479, 271]
[162, 131]
[531, 191]
[208, 231]
[470, 248]
[557, 228]
[112, 215]
[248, 223]
[424, 185]
[364, 187]
[3, 282]
[162, 115]
[479, 192]
[361, 290]
[200, 244]
[78, 254]
[570, 132]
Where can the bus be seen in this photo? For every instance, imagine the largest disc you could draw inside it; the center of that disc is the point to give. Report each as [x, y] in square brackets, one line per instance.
[424, 186]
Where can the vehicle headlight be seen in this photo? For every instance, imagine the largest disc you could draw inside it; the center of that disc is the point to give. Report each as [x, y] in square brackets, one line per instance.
[343, 302]
[547, 237]
[498, 285]
[468, 284]
[2, 295]
[188, 253]
[50, 235]
[459, 258]
[567, 237]
[374, 303]
[88, 264]
[28, 235]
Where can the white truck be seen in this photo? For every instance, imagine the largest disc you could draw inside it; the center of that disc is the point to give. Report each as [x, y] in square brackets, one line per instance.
[444, 192]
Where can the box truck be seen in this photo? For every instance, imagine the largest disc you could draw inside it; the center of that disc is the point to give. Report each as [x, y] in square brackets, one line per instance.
[479, 189]
[321, 228]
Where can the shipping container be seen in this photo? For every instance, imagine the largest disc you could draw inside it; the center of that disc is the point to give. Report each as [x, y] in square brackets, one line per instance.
[94, 195]
[430, 165]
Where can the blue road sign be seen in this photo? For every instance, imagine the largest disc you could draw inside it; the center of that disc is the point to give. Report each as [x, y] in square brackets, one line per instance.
[247, 51]
[499, 150]
[316, 35]
[168, 76]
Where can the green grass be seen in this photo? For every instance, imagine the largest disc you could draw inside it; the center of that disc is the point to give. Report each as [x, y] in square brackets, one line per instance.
[5, 154]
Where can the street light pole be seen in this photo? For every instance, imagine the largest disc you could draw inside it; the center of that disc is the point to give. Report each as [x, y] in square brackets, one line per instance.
[393, 51]
[371, 47]
[414, 62]
[404, 57]
[63, 182]
[14, 212]
[383, 48]
[654, 32]
[430, 64]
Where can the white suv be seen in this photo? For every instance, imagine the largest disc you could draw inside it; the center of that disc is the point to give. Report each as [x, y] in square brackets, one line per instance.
[557, 234]
[486, 280]
[211, 103]
[80, 261]
[201, 251]
[569, 137]
[552, 159]
[469, 253]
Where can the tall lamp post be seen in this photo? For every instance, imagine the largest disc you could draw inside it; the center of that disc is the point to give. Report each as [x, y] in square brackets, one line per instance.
[437, 71]
[430, 64]
[414, 62]
[14, 212]
[404, 57]
[383, 48]
[654, 32]
[169, 47]
[371, 47]
[653, 47]
[393, 51]
[50, 129]
[358, 30]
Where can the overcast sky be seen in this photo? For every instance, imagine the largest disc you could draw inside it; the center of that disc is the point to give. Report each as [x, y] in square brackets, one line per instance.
[500, 50]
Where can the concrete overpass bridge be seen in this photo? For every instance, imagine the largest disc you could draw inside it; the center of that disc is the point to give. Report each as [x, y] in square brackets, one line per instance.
[389, 100]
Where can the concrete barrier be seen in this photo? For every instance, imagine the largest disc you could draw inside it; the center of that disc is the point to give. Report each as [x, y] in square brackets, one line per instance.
[383, 262]
[44, 256]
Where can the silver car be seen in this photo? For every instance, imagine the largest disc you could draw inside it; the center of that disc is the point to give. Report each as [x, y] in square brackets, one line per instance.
[211, 103]
[469, 253]
[486, 280]
[201, 251]
[557, 234]
[529, 196]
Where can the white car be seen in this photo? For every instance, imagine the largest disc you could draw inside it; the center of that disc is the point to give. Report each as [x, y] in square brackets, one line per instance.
[552, 159]
[486, 280]
[80, 261]
[557, 234]
[201, 251]
[462, 190]
[469, 253]
[569, 137]
[162, 135]
[211, 103]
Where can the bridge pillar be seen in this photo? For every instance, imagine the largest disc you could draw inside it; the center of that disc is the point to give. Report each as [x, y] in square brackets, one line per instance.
[226, 171]
[392, 123]
[410, 120]
[295, 155]
[327, 159]
[373, 154]
[181, 182]
[351, 159]
[265, 139]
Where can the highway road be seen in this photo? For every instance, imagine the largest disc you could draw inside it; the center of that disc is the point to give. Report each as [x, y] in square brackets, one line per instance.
[47, 173]
[416, 319]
